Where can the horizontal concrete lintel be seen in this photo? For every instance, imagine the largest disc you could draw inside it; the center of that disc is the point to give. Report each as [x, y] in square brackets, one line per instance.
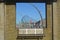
[10, 2]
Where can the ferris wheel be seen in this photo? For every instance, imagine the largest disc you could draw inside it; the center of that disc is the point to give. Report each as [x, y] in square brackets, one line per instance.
[30, 22]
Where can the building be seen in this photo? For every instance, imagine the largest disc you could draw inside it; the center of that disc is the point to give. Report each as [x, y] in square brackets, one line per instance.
[8, 30]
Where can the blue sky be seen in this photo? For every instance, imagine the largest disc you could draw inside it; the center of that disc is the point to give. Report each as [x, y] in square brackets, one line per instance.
[27, 9]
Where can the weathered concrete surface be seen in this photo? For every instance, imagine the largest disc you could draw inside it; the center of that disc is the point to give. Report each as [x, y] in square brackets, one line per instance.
[58, 15]
[1, 21]
[56, 19]
[9, 18]
[48, 30]
[10, 22]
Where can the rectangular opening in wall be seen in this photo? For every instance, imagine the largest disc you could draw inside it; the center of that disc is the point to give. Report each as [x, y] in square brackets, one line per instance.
[30, 15]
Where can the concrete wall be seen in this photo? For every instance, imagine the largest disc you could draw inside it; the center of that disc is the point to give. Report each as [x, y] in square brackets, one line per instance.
[10, 30]
[48, 30]
[7, 22]
[1, 21]
[10, 22]
[56, 19]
